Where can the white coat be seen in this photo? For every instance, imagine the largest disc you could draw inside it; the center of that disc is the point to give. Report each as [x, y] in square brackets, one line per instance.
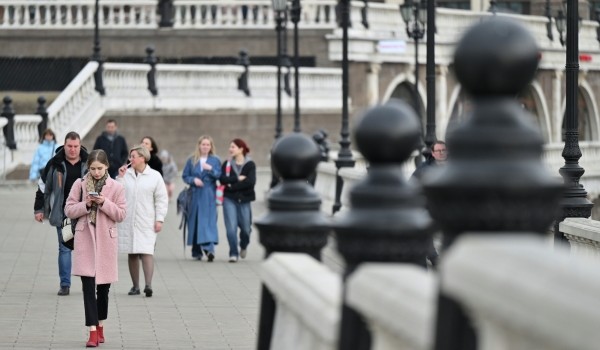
[147, 202]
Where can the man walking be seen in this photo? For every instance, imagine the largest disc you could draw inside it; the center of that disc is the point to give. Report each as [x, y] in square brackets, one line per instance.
[61, 171]
[115, 146]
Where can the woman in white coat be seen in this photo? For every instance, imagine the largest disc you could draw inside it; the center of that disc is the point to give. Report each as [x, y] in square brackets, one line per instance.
[147, 204]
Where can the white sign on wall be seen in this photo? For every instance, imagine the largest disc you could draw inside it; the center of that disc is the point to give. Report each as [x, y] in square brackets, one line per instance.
[391, 46]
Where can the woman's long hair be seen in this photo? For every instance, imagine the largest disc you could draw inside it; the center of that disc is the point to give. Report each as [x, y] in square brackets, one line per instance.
[197, 150]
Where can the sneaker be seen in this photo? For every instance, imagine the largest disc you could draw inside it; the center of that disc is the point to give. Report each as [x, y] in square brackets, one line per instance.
[233, 259]
[211, 256]
[63, 291]
[134, 291]
[243, 253]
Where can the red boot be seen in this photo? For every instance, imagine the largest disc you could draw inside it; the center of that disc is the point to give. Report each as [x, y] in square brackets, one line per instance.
[100, 330]
[93, 341]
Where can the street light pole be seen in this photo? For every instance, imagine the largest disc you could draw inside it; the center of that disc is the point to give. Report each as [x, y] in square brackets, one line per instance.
[295, 16]
[99, 85]
[415, 15]
[430, 137]
[575, 202]
[344, 158]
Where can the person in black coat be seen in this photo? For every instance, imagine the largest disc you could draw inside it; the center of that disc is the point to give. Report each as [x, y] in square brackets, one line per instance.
[115, 146]
[238, 174]
[154, 162]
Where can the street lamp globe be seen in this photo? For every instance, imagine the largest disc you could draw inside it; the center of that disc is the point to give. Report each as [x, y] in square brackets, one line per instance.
[406, 10]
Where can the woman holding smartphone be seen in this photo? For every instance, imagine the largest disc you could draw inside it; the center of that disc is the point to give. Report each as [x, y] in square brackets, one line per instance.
[147, 204]
[98, 202]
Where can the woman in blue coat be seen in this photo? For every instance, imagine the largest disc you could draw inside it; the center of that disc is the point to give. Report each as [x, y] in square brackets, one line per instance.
[201, 172]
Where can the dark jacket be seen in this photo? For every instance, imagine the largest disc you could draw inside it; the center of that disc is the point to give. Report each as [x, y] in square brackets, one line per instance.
[239, 191]
[50, 196]
[116, 150]
[155, 163]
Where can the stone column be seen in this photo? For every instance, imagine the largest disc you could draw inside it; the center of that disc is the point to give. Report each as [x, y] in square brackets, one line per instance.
[373, 83]
[441, 100]
[557, 114]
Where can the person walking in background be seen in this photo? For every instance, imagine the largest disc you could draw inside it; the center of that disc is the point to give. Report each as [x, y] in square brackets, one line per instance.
[147, 205]
[439, 156]
[169, 171]
[201, 172]
[98, 202]
[154, 162]
[67, 165]
[42, 155]
[115, 146]
[239, 184]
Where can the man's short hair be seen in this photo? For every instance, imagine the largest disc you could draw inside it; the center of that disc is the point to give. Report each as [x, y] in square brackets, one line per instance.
[72, 135]
[111, 121]
[438, 142]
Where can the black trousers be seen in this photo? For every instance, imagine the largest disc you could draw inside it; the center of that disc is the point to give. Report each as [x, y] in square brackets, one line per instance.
[95, 300]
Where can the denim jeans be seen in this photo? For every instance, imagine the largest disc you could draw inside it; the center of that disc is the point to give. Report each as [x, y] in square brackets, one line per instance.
[64, 261]
[237, 215]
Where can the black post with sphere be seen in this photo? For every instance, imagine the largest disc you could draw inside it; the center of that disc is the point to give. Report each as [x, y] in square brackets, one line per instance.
[294, 222]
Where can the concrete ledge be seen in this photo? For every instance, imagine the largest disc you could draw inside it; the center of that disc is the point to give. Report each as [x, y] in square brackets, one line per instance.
[523, 295]
[308, 297]
[398, 301]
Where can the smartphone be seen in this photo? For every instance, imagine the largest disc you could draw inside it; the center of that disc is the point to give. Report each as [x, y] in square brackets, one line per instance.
[93, 194]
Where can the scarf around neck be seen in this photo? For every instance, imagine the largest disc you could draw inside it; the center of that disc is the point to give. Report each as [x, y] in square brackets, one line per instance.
[93, 185]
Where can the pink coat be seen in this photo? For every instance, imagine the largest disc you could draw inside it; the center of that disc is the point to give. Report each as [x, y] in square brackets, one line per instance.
[96, 247]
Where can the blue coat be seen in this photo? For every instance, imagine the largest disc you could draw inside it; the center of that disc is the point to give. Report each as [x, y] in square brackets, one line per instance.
[202, 216]
[42, 155]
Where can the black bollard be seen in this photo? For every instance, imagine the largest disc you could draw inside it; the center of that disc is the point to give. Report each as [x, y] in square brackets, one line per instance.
[41, 110]
[294, 222]
[9, 129]
[244, 61]
[166, 12]
[495, 180]
[151, 60]
[387, 220]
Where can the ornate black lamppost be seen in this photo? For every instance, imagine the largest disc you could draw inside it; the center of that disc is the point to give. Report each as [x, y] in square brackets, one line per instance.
[430, 137]
[42, 112]
[415, 16]
[96, 56]
[344, 158]
[295, 12]
[151, 76]
[280, 7]
[575, 202]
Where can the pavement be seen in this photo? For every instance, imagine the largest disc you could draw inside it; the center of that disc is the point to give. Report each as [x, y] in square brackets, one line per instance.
[196, 304]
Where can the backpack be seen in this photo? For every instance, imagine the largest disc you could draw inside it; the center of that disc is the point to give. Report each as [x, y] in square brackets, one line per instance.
[184, 200]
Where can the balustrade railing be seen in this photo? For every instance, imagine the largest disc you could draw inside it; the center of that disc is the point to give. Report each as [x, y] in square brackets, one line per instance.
[583, 235]
[76, 14]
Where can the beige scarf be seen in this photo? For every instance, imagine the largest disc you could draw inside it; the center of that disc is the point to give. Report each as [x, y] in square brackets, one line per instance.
[93, 185]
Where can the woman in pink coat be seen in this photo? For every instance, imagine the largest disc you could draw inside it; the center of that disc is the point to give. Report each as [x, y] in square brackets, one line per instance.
[98, 202]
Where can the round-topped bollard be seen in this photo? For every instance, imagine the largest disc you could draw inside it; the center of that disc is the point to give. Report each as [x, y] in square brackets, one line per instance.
[293, 222]
[495, 179]
[386, 221]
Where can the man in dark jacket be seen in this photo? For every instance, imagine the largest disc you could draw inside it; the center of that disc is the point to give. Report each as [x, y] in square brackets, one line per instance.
[439, 156]
[61, 171]
[115, 146]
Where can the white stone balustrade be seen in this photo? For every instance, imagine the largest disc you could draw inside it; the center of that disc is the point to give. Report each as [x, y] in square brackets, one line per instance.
[77, 14]
[308, 299]
[522, 294]
[249, 13]
[26, 136]
[583, 235]
[398, 302]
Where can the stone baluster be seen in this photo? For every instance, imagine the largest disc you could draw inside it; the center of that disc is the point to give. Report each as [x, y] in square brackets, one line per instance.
[294, 221]
[41, 110]
[151, 60]
[387, 220]
[9, 129]
[495, 179]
